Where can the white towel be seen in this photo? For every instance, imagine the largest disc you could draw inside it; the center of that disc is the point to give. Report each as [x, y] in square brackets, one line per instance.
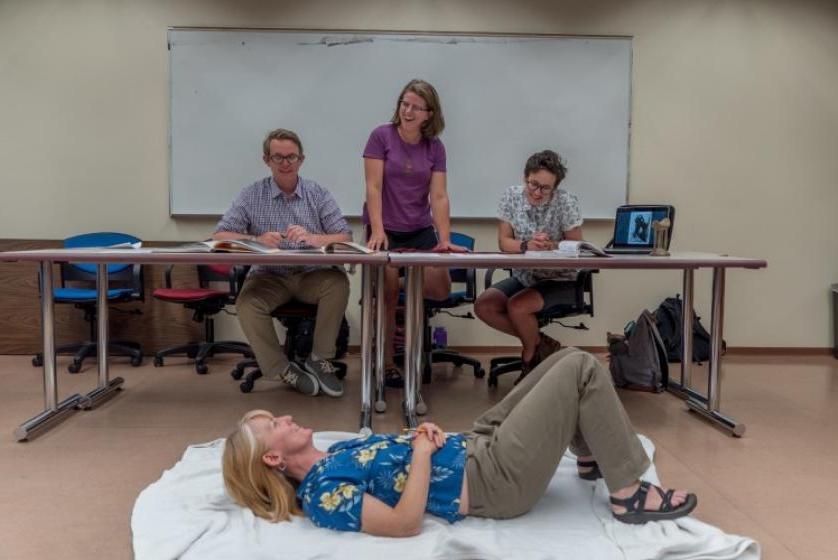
[187, 514]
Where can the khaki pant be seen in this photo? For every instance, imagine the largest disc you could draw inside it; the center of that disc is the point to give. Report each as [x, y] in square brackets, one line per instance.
[515, 447]
[263, 292]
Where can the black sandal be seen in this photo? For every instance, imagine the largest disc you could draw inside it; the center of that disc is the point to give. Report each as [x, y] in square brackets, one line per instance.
[593, 474]
[393, 377]
[637, 514]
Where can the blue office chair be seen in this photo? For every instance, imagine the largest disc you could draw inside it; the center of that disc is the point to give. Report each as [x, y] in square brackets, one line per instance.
[467, 277]
[580, 302]
[78, 287]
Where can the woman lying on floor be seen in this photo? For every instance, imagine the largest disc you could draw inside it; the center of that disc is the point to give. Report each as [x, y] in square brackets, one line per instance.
[384, 484]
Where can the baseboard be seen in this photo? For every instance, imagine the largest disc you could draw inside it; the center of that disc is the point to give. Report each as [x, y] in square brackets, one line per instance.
[731, 350]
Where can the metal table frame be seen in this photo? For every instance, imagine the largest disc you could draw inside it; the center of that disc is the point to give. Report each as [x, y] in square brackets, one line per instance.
[708, 406]
[372, 265]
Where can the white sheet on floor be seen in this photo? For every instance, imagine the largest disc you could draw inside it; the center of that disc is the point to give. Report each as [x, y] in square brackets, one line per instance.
[187, 514]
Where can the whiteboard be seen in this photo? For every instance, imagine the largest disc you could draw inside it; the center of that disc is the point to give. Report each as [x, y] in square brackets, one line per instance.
[503, 98]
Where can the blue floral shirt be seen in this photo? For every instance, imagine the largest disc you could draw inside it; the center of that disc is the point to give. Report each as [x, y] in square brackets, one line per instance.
[332, 491]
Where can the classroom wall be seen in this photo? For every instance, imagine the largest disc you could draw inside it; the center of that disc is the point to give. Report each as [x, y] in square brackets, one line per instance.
[735, 122]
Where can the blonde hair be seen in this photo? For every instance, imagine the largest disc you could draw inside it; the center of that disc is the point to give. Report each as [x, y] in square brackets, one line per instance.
[250, 482]
[432, 127]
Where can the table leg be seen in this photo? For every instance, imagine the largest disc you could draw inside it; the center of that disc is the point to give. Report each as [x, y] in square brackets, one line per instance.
[380, 318]
[105, 388]
[710, 408]
[53, 410]
[366, 348]
[684, 388]
[413, 342]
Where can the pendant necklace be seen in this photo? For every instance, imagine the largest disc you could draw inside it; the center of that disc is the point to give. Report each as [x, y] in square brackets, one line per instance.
[408, 161]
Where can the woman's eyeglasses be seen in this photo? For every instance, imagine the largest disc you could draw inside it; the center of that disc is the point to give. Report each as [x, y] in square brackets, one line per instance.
[406, 106]
[291, 158]
[546, 190]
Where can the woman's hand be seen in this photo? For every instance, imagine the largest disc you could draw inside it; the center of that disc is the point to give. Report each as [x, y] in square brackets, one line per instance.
[428, 438]
[448, 247]
[541, 242]
[377, 241]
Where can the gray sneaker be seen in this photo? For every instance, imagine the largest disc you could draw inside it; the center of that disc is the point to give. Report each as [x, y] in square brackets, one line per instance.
[324, 370]
[301, 380]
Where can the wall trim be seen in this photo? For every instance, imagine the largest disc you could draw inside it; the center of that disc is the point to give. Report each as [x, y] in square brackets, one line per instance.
[731, 351]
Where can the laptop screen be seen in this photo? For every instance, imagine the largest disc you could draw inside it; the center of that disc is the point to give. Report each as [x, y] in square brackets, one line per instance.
[633, 225]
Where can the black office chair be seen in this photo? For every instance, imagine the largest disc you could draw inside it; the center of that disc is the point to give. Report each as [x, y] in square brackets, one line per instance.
[205, 302]
[582, 303]
[78, 287]
[298, 320]
[431, 355]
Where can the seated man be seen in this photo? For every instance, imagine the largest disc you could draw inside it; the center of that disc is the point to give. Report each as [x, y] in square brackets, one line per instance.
[532, 217]
[285, 210]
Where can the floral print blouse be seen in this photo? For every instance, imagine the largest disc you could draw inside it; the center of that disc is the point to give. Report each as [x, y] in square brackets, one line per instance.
[332, 491]
[559, 214]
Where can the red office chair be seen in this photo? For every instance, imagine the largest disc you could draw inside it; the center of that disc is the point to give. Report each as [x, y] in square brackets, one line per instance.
[206, 303]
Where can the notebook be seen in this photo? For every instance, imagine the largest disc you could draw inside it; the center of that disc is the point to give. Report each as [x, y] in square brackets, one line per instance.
[633, 233]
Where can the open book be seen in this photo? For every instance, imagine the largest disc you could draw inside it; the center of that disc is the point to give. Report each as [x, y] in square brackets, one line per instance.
[575, 249]
[580, 249]
[251, 246]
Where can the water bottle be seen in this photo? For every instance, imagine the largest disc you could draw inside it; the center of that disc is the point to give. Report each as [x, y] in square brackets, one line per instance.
[440, 337]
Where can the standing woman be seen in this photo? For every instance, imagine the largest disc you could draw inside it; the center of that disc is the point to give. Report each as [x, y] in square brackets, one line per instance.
[407, 203]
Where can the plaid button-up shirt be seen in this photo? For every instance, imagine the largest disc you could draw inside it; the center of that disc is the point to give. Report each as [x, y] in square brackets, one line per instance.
[262, 207]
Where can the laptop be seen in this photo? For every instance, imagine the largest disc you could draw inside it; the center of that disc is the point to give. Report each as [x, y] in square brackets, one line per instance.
[633, 233]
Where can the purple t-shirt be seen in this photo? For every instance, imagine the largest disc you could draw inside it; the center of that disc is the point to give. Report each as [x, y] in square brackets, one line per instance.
[405, 205]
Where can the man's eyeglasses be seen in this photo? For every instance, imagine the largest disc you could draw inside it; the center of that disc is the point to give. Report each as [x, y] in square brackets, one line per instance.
[405, 105]
[546, 190]
[291, 158]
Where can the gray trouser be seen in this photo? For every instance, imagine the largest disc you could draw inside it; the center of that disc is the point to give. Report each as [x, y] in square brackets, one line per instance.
[515, 447]
[263, 292]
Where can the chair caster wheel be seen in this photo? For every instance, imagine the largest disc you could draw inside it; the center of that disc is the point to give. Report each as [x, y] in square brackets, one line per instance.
[479, 373]
[136, 361]
[237, 373]
[38, 361]
[493, 381]
[74, 368]
[421, 408]
[202, 369]
[380, 406]
[158, 361]
[246, 386]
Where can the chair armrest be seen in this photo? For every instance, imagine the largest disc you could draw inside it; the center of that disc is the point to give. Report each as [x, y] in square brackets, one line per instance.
[167, 276]
[471, 285]
[238, 273]
[137, 280]
[487, 280]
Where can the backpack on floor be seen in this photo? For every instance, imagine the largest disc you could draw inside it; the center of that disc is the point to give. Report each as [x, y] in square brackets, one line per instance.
[669, 317]
[305, 339]
[638, 356]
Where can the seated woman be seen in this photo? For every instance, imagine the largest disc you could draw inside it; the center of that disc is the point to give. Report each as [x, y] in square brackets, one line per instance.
[534, 217]
[384, 484]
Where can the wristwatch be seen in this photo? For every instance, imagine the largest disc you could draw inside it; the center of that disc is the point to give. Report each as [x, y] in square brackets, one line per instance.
[524, 246]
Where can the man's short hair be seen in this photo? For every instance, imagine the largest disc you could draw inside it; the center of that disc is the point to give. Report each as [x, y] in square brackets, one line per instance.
[281, 134]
